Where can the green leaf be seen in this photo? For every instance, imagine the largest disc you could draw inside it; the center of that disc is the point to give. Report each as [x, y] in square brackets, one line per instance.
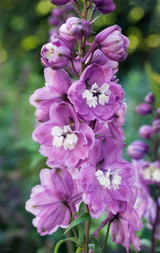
[78, 250]
[81, 233]
[73, 239]
[146, 242]
[81, 208]
[157, 249]
[80, 219]
[96, 245]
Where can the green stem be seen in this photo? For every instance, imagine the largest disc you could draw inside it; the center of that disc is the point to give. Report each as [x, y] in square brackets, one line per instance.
[83, 49]
[77, 8]
[85, 10]
[73, 67]
[90, 59]
[156, 146]
[75, 234]
[69, 244]
[86, 233]
[106, 238]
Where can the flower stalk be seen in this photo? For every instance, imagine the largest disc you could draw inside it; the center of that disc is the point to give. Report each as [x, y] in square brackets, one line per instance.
[106, 237]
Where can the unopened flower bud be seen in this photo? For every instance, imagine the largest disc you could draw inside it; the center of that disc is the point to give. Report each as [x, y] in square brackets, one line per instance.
[149, 98]
[54, 21]
[156, 125]
[112, 43]
[144, 109]
[158, 112]
[57, 12]
[146, 132]
[59, 2]
[55, 54]
[75, 28]
[137, 149]
[104, 6]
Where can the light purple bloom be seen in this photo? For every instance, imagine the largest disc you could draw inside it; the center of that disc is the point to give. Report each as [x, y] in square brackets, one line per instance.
[94, 95]
[150, 172]
[75, 28]
[106, 185]
[124, 228]
[56, 53]
[100, 59]
[63, 139]
[143, 199]
[151, 217]
[53, 200]
[124, 225]
[55, 91]
[118, 120]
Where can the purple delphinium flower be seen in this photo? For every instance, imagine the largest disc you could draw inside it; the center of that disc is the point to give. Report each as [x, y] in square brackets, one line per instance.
[54, 200]
[158, 112]
[144, 109]
[75, 28]
[143, 199]
[63, 139]
[146, 131]
[156, 125]
[112, 43]
[106, 184]
[149, 98]
[137, 149]
[104, 6]
[94, 95]
[100, 59]
[56, 53]
[150, 172]
[124, 228]
[124, 225]
[59, 2]
[151, 217]
[57, 85]
[118, 120]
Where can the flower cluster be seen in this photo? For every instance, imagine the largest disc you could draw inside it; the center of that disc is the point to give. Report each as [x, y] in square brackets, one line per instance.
[79, 128]
[146, 158]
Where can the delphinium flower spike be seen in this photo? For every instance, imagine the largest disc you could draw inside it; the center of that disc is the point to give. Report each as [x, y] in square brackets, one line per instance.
[80, 112]
[146, 158]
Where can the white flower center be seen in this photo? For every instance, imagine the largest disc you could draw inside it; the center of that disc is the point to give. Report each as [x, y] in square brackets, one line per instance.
[50, 51]
[64, 137]
[152, 173]
[109, 179]
[97, 94]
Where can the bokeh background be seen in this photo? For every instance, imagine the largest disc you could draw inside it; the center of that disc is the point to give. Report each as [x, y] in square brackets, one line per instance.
[23, 31]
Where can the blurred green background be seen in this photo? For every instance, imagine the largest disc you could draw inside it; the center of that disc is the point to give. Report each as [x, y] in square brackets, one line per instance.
[23, 31]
